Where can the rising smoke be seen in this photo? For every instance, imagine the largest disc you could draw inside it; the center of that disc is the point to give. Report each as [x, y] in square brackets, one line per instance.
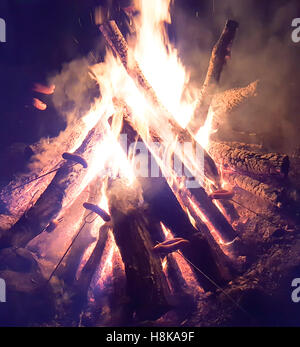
[263, 49]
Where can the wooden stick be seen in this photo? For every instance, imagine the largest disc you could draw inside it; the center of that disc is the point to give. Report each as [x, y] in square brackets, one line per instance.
[220, 53]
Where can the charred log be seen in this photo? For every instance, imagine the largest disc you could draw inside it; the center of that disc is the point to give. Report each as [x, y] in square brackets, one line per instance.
[146, 283]
[175, 277]
[252, 147]
[272, 194]
[183, 295]
[249, 162]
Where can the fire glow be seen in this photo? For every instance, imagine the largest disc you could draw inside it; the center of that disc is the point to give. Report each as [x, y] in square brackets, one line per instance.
[146, 96]
[160, 63]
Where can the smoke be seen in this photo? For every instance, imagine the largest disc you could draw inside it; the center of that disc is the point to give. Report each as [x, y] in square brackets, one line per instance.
[74, 96]
[75, 90]
[263, 49]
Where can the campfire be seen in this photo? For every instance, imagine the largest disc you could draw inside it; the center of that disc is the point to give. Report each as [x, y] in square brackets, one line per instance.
[100, 248]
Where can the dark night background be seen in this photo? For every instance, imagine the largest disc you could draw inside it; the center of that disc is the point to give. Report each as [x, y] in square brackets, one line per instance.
[43, 36]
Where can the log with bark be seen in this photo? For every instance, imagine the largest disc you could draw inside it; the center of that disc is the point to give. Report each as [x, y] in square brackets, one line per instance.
[146, 283]
[252, 147]
[23, 191]
[220, 53]
[64, 187]
[250, 162]
[273, 194]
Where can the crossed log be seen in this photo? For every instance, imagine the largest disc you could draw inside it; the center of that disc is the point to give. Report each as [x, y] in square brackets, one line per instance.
[118, 43]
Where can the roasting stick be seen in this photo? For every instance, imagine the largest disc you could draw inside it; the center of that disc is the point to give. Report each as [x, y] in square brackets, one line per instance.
[66, 156]
[71, 244]
[39, 177]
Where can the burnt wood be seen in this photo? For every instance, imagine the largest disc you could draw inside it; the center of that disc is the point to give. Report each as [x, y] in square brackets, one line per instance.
[146, 283]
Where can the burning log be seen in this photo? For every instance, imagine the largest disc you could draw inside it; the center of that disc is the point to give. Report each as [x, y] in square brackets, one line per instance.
[61, 191]
[25, 189]
[77, 290]
[220, 53]
[119, 45]
[146, 283]
[179, 286]
[253, 147]
[249, 162]
[204, 212]
[174, 274]
[202, 250]
[272, 194]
